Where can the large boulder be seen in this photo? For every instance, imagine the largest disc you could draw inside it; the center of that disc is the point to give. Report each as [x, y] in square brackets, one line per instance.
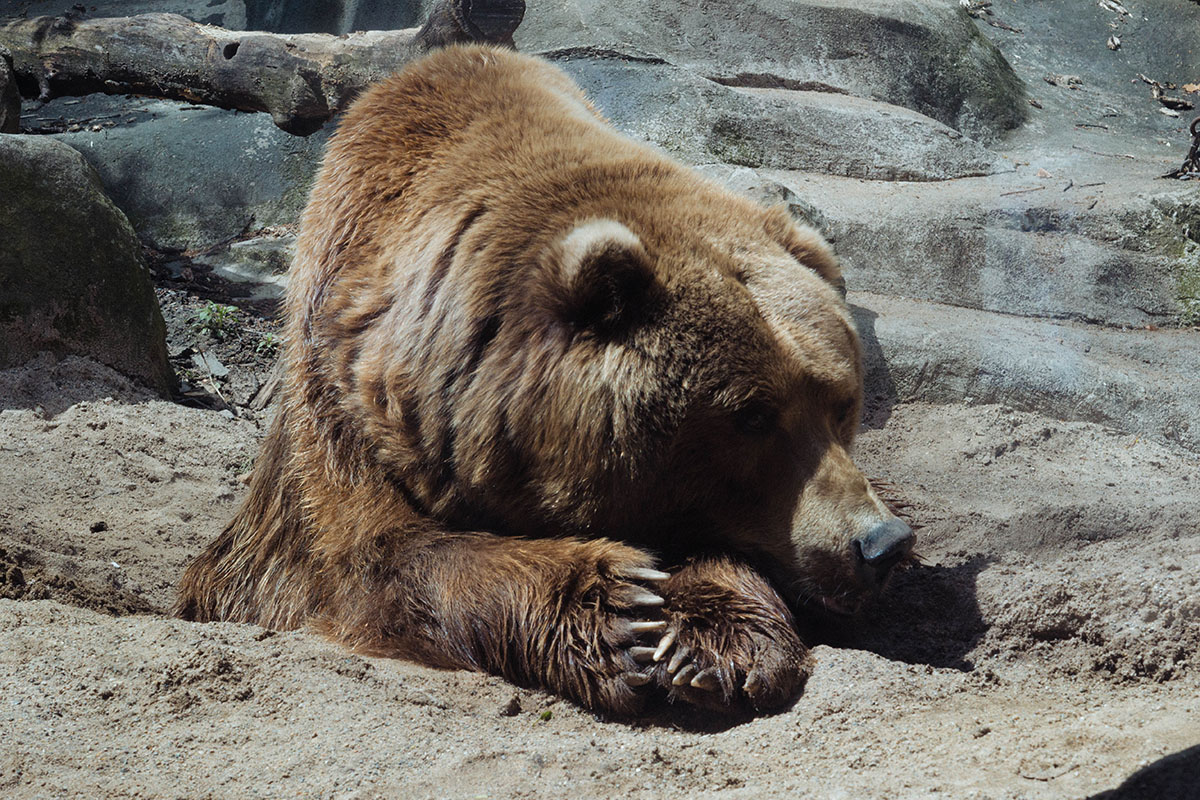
[277, 16]
[189, 177]
[928, 57]
[1133, 381]
[1107, 245]
[72, 277]
[810, 131]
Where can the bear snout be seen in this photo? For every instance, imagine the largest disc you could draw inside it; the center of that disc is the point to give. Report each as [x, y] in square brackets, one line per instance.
[881, 548]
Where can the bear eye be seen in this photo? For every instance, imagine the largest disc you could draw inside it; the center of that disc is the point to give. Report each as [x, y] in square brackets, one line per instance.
[755, 420]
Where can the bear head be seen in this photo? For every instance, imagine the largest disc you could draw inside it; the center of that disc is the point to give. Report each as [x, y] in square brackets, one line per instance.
[667, 364]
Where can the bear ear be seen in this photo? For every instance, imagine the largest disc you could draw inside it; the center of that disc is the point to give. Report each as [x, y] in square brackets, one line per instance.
[602, 276]
[806, 246]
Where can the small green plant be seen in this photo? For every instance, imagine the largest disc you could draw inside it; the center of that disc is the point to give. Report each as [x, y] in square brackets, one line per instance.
[267, 346]
[216, 320]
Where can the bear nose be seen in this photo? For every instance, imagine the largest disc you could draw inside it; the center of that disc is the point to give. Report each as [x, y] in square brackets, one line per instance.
[884, 546]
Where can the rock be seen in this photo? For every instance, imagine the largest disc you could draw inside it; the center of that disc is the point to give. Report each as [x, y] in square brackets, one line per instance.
[189, 177]
[278, 16]
[210, 364]
[1132, 381]
[512, 707]
[797, 130]
[769, 192]
[1112, 125]
[72, 277]
[928, 57]
[1119, 251]
[1161, 41]
[10, 98]
[261, 261]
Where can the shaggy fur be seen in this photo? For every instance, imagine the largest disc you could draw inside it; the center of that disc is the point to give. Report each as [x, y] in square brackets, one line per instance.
[528, 360]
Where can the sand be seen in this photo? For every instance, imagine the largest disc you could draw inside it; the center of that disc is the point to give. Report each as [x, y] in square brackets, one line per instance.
[1046, 648]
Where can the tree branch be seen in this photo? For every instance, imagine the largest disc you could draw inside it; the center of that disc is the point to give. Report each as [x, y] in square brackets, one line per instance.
[301, 80]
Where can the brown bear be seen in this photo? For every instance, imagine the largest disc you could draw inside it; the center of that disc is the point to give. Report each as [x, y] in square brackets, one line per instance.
[556, 408]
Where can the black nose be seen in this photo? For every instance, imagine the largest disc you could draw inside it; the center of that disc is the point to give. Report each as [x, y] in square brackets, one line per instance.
[884, 546]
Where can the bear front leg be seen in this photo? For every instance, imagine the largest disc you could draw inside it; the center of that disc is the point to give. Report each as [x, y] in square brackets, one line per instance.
[731, 641]
[557, 614]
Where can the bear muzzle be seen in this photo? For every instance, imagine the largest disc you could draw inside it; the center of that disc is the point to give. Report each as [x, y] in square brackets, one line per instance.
[881, 548]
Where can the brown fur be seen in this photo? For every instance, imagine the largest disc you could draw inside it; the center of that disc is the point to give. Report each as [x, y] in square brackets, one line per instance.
[525, 357]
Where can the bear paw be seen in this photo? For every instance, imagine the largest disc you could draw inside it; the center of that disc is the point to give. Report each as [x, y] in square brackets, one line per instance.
[612, 609]
[729, 642]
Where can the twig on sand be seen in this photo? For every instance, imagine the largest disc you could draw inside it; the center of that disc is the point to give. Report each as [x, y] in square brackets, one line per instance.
[1023, 191]
[1098, 153]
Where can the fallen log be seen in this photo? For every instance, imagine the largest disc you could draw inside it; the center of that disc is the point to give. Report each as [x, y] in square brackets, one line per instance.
[301, 80]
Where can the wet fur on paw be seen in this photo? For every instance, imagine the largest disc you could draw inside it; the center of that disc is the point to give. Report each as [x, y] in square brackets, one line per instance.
[603, 610]
[730, 642]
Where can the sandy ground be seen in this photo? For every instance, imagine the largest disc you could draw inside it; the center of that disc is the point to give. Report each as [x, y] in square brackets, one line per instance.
[1047, 648]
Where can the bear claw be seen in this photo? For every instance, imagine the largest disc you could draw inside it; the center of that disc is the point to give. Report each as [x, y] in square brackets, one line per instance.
[637, 678]
[707, 680]
[641, 654]
[664, 645]
[641, 597]
[677, 660]
[642, 574]
[647, 627]
[685, 675]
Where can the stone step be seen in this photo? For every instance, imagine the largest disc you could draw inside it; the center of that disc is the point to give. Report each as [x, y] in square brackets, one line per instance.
[1088, 242]
[1133, 381]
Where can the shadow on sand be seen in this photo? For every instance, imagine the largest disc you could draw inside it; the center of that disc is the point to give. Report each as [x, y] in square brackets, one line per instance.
[929, 615]
[1173, 777]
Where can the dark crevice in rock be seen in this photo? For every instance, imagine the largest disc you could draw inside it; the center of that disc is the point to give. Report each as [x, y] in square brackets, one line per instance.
[567, 53]
[765, 80]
